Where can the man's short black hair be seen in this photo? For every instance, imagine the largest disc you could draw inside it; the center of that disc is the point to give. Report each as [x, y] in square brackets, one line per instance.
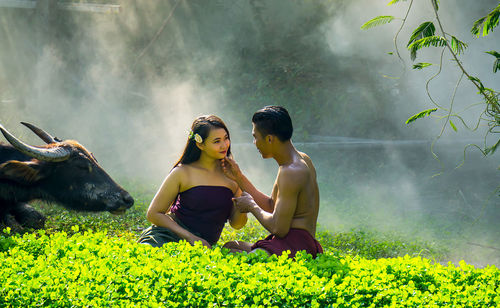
[274, 120]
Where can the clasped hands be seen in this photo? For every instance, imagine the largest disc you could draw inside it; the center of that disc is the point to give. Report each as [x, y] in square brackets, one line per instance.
[244, 203]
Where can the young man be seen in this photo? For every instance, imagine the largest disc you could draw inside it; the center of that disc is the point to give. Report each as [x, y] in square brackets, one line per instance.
[291, 212]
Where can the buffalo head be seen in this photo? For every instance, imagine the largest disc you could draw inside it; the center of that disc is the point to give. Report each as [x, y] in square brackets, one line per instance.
[61, 171]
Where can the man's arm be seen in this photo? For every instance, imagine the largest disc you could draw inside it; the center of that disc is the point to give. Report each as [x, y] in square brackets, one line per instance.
[290, 182]
[232, 171]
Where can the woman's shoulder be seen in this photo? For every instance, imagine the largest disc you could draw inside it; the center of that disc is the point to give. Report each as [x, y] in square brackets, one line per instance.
[179, 176]
[180, 172]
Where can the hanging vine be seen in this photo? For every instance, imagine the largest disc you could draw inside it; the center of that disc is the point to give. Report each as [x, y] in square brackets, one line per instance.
[427, 35]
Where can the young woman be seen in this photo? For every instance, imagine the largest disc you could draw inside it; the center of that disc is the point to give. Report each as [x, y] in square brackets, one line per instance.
[195, 199]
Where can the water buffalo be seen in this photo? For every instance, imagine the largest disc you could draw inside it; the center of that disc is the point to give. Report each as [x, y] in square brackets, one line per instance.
[62, 172]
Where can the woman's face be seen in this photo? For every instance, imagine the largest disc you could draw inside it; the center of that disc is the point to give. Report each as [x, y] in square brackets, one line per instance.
[216, 144]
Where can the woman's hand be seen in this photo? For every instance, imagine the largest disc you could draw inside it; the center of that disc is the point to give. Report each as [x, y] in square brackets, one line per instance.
[231, 169]
[203, 241]
[244, 203]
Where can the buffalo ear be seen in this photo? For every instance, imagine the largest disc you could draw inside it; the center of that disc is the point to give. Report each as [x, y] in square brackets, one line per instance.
[21, 172]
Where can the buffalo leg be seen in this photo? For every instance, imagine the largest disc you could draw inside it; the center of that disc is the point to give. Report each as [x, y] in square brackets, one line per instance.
[28, 217]
[8, 221]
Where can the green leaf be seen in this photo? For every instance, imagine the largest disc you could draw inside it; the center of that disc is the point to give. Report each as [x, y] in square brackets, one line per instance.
[496, 64]
[453, 126]
[477, 25]
[435, 3]
[419, 115]
[494, 53]
[481, 86]
[426, 29]
[487, 22]
[492, 149]
[394, 2]
[474, 79]
[457, 45]
[377, 21]
[436, 41]
[421, 65]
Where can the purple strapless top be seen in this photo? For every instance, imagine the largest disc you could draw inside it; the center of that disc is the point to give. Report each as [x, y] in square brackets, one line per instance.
[204, 210]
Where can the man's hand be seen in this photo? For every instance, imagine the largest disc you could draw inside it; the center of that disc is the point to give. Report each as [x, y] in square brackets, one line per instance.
[231, 169]
[244, 203]
[203, 242]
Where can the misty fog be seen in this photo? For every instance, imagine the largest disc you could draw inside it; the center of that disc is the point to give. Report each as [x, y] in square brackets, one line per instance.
[128, 85]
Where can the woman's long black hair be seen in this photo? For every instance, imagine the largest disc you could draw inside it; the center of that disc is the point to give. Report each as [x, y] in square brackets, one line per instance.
[201, 126]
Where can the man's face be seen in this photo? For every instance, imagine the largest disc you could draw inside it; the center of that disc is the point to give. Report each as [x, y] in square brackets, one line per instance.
[260, 142]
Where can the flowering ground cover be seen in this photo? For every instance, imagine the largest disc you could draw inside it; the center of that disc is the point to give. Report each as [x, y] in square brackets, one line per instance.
[95, 269]
[92, 260]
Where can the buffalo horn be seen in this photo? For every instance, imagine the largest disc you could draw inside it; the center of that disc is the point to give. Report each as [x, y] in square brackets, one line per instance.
[40, 133]
[50, 155]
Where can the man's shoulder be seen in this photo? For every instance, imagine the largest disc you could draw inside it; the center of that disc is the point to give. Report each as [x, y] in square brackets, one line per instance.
[293, 169]
[308, 162]
[293, 173]
[305, 157]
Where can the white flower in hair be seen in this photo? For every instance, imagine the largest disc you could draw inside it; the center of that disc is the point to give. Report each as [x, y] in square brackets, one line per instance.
[198, 138]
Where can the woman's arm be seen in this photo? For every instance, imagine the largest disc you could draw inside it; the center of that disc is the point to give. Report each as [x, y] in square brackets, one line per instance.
[162, 202]
[237, 220]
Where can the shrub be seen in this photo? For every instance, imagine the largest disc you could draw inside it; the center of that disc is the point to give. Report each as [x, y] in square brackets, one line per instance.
[96, 269]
